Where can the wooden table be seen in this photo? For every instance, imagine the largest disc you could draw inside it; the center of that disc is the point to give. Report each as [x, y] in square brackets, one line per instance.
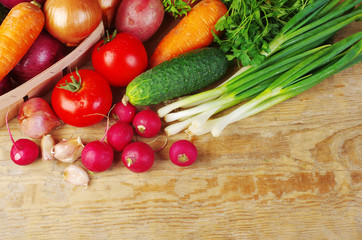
[291, 172]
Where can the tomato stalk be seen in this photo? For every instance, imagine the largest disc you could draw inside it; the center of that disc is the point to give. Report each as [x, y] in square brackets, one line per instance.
[73, 86]
[107, 38]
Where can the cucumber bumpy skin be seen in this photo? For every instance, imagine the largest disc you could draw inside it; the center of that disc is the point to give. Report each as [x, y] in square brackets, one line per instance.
[177, 77]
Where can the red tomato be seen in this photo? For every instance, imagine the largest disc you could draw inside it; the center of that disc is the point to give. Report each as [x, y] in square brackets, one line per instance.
[85, 106]
[120, 59]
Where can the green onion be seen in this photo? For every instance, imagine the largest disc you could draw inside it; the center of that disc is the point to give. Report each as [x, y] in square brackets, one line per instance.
[281, 88]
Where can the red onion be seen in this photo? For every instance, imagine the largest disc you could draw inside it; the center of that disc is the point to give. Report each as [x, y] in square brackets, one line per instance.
[37, 118]
[45, 51]
[5, 85]
[11, 3]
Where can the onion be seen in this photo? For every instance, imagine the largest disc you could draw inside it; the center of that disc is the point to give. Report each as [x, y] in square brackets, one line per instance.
[5, 85]
[71, 21]
[109, 9]
[37, 118]
[45, 51]
[11, 3]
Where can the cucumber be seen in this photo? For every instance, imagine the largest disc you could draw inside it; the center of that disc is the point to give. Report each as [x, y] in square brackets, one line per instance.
[177, 77]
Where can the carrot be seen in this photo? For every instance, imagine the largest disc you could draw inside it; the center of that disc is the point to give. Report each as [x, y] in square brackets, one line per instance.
[192, 32]
[18, 32]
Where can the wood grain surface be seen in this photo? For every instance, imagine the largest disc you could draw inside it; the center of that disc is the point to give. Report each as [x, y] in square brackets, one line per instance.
[291, 172]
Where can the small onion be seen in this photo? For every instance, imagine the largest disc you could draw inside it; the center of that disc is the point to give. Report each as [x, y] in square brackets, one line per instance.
[72, 21]
[37, 118]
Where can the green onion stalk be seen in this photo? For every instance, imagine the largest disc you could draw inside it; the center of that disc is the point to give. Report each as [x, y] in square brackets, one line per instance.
[298, 54]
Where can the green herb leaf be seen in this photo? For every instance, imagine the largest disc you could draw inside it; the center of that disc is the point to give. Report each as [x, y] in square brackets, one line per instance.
[251, 24]
[177, 8]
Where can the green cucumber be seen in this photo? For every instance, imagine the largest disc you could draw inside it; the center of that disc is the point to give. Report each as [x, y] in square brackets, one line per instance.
[177, 77]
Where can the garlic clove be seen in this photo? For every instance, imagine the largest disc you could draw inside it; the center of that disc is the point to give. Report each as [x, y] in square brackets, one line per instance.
[46, 144]
[76, 175]
[68, 150]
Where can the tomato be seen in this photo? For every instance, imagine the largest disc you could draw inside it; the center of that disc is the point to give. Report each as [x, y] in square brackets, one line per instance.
[120, 58]
[85, 105]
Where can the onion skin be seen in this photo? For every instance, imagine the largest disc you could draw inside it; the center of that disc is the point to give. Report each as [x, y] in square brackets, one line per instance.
[45, 51]
[5, 85]
[12, 3]
[37, 118]
[72, 21]
[109, 9]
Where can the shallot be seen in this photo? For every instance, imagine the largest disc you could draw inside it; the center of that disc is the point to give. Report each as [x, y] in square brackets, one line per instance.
[37, 118]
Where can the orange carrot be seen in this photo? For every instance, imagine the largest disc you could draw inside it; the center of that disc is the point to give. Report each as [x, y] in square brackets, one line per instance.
[192, 32]
[18, 32]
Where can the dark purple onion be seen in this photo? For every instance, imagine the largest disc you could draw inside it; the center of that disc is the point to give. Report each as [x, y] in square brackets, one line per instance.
[11, 3]
[45, 51]
[5, 85]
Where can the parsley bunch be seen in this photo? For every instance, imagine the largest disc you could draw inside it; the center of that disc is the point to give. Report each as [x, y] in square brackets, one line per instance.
[251, 24]
[177, 8]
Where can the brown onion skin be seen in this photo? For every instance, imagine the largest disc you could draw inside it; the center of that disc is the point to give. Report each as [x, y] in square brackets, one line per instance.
[72, 21]
[37, 118]
[109, 9]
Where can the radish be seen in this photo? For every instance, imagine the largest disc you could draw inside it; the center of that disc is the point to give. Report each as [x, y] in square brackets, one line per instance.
[23, 151]
[123, 111]
[97, 156]
[147, 123]
[138, 157]
[119, 135]
[183, 153]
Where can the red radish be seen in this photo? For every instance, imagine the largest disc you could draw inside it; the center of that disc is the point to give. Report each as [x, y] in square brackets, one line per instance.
[97, 156]
[23, 151]
[147, 123]
[123, 111]
[119, 135]
[138, 157]
[183, 153]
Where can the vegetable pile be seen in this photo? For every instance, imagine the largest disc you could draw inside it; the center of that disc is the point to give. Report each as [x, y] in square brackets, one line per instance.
[281, 49]
[296, 61]
[34, 35]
